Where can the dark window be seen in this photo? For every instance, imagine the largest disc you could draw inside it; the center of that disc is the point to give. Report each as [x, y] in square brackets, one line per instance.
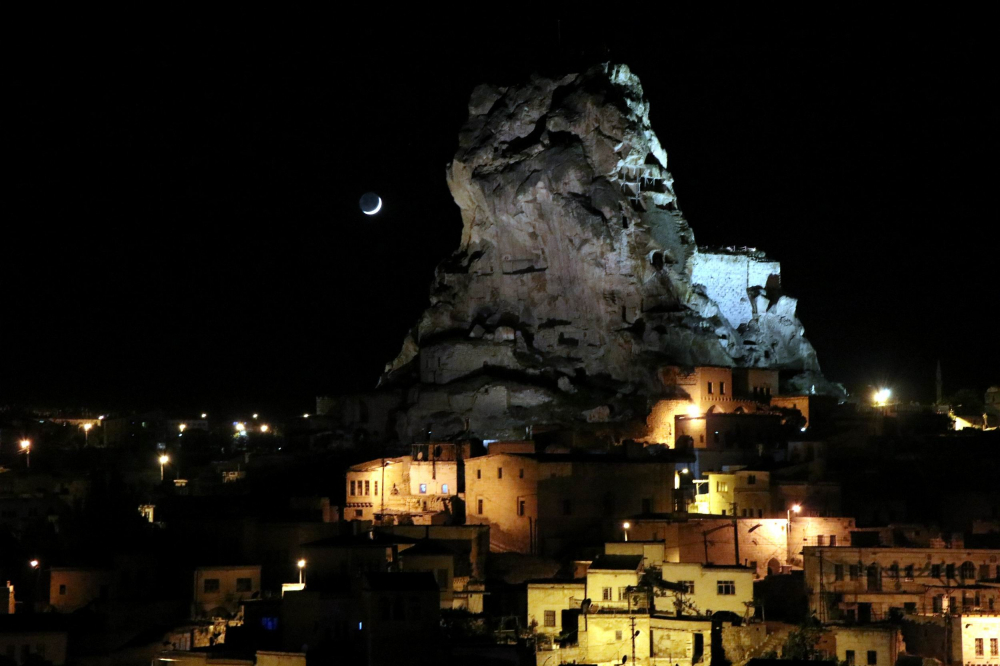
[751, 478]
[872, 657]
[850, 658]
[647, 505]
[520, 473]
[550, 618]
[950, 571]
[935, 571]
[499, 472]
[479, 473]
[62, 590]
[726, 587]
[244, 584]
[838, 572]
[968, 571]
[479, 506]
[722, 388]
[367, 488]
[853, 571]
[833, 539]
[211, 585]
[376, 487]
[352, 488]
[442, 578]
[520, 507]
[358, 513]
[710, 388]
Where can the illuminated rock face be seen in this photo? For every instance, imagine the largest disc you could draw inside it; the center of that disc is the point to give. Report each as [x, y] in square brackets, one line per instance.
[577, 276]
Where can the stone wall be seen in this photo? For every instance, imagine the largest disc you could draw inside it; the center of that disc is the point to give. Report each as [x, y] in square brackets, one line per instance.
[727, 279]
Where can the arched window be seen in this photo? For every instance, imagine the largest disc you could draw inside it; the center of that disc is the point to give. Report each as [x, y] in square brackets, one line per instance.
[968, 571]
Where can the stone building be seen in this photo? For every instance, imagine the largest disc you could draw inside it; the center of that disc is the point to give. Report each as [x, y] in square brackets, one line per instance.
[612, 614]
[538, 503]
[764, 546]
[218, 591]
[870, 584]
[72, 588]
[425, 486]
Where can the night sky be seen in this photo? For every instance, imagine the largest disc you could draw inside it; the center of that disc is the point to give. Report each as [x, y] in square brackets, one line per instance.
[185, 232]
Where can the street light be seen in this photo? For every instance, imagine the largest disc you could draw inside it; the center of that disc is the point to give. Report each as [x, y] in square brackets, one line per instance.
[182, 427]
[265, 428]
[204, 415]
[34, 564]
[626, 525]
[881, 397]
[164, 459]
[86, 432]
[301, 564]
[796, 508]
[26, 447]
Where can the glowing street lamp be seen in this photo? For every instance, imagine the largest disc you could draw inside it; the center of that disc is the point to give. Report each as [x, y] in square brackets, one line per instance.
[164, 459]
[301, 564]
[204, 415]
[182, 427]
[86, 432]
[34, 564]
[255, 415]
[265, 428]
[796, 508]
[26, 447]
[693, 411]
[625, 526]
[881, 397]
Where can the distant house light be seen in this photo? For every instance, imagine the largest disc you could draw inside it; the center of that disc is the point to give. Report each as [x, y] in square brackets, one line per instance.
[487, 442]
[423, 488]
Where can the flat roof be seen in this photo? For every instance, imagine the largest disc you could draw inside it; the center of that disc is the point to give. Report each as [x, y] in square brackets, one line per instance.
[616, 562]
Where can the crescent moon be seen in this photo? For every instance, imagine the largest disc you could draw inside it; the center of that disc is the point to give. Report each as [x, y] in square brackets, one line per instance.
[378, 207]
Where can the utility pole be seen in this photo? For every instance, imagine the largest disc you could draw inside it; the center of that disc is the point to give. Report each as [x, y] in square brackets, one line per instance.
[736, 535]
[632, 617]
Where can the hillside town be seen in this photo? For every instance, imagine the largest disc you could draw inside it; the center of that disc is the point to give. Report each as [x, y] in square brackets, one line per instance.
[599, 443]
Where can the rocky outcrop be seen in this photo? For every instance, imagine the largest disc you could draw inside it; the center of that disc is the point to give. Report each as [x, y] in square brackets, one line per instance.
[577, 276]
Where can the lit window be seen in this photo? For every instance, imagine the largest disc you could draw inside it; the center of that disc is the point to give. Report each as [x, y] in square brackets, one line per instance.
[994, 647]
[444, 488]
[376, 487]
[367, 488]
[979, 647]
[726, 587]
[423, 488]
